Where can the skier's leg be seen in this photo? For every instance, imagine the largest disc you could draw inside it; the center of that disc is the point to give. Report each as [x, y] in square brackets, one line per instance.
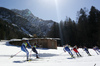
[70, 54]
[25, 50]
[35, 51]
[27, 54]
[36, 54]
[96, 52]
[88, 53]
[99, 51]
[79, 54]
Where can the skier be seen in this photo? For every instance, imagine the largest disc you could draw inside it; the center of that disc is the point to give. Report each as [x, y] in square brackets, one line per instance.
[96, 49]
[76, 51]
[24, 46]
[34, 49]
[66, 48]
[86, 50]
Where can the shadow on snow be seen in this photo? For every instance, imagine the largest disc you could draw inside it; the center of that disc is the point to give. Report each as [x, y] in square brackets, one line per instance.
[32, 55]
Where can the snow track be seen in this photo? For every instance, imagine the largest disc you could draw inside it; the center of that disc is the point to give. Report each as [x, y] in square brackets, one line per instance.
[49, 57]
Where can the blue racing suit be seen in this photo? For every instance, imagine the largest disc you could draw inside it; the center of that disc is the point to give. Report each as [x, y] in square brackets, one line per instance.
[23, 48]
[86, 50]
[66, 48]
[96, 50]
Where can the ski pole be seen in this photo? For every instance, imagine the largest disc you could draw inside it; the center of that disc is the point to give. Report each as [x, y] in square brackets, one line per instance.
[61, 53]
[30, 53]
[15, 54]
[40, 47]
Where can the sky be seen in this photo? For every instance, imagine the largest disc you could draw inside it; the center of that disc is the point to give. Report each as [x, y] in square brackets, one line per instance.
[55, 10]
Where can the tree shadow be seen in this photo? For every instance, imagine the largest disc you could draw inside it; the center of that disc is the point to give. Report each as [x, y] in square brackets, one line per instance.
[40, 55]
[8, 44]
[45, 55]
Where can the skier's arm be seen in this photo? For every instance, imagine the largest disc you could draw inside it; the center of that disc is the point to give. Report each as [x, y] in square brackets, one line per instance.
[64, 49]
[28, 43]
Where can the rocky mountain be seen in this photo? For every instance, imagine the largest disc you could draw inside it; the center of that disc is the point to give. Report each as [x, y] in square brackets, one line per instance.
[9, 31]
[25, 20]
[42, 26]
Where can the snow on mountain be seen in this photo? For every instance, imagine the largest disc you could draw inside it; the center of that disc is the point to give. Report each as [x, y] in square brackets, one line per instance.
[26, 20]
[49, 57]
[42, 26]
[14, 19]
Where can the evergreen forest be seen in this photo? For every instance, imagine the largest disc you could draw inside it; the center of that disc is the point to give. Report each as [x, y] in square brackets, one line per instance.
[84, 32]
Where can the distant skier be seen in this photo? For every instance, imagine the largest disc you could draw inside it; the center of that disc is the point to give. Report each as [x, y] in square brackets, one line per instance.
[34, 49]
[24, 46]
[66, 48]
[97, 50]
[76, 51]
[86, 50]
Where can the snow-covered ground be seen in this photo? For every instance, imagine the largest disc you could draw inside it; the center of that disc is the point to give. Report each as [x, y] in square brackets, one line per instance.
[48, 57]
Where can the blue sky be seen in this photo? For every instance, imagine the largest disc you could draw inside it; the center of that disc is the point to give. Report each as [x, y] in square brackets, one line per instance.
[55, 10]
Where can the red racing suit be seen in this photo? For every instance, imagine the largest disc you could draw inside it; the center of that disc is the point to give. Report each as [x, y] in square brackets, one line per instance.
[75, 49]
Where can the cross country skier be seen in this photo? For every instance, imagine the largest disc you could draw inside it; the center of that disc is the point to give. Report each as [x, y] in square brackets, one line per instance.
[66, 48]
[96, 49]
[24, 46]
[86, 50]
[76, 51]
[34, 49]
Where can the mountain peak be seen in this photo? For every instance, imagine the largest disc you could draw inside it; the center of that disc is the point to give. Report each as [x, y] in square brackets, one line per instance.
[26, 20]
[23, 13]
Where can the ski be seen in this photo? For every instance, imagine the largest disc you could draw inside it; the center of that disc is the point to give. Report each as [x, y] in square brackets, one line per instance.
[24, 61]
[71, 56]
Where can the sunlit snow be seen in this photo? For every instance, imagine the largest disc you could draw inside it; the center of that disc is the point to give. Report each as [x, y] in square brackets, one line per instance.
[48, 57]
